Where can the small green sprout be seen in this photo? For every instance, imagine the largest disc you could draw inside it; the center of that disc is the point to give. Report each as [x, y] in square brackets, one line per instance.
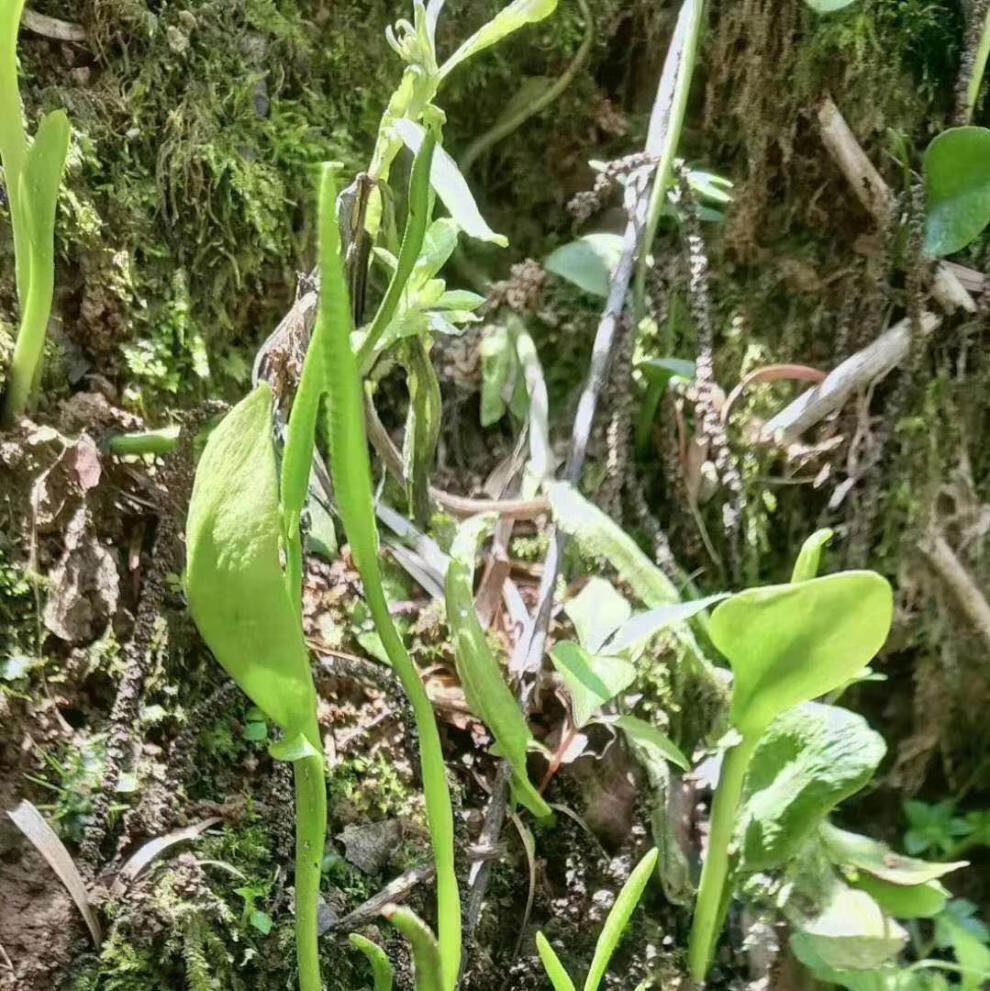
[32, 173]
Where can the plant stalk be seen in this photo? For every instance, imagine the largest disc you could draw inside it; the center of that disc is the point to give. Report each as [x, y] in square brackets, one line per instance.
[693, 13]
[311, 829]
[979, 67]
[709, 912]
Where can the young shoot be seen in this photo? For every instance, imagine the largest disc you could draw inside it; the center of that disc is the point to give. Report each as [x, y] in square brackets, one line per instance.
[32, 174]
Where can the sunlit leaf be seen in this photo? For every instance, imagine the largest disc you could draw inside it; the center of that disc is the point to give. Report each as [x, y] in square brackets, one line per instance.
[559, 977]
[450, 186]
[618, 919]
[234, 582]
[644, 736]
[850, 932]
[916, 901]
[645, 625]
[827, 6]
[789, 644]
[510, 18]
[588, 262]
[499, 371]
[592, 680]
[597, 611]
[810, 759]
[879, 860]
[957, 189]
[810, 556]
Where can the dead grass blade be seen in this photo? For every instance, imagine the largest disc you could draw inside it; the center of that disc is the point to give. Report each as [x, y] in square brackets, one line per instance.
[153, 849]
[33, 825]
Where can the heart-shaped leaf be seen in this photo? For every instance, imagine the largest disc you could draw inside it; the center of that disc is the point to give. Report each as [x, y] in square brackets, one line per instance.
[788, 644]
[957, 189]
[236, 589]
[810, 759]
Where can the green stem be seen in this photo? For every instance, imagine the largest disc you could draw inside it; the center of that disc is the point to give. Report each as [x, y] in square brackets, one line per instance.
[979, 67]
[694, 11]
[412, 244]
[311, 829]
[438, 808]
[712, 900]
[161, 441]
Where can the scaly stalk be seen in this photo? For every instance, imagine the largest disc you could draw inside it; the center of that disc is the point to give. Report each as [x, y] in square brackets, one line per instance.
[311, 830]
[978, 69]
[351, 469]
[709, 912]
[692, 14]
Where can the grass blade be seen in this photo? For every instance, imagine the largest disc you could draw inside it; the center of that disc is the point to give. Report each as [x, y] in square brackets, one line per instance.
[559, 977]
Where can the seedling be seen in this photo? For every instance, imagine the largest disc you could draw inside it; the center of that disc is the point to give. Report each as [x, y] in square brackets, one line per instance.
[32, 173]
[611, 934]
[787, 645]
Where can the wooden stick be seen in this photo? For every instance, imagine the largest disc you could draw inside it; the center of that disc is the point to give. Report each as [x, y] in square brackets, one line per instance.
[855, 373]
[959, 582]
[875, 195]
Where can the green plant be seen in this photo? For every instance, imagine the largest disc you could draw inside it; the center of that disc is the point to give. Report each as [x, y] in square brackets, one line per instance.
[936, 829]
[32, 174]
[787, 644]
[957, 189]
[244, 606]
[608, 940]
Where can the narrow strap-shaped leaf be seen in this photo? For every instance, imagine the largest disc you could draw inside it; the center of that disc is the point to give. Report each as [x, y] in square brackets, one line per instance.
[481, 677]
[425, 949]
[37, 194]
[412, 242]
[13, 140]
[618, 918]
[510, 18]
[381, 967]
[351, 470]
[810, 556]
[559, 977]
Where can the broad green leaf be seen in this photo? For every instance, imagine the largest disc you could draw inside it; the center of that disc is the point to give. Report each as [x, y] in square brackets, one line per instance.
[828, 6]
[646, 624]
[439, 243]
[592, 680]
[588, 262]
[381, 966]
[450, 186]
[810, 556]
[644, 736]
[559, 977]
[849, 933]
[484, 684]
[957, 189]
[597, 611]
[852, 850]
[810, 759]
[234, 582]
[618, 919]
[510, 18]
[789, 644]
[427, 964]
[917, 901]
